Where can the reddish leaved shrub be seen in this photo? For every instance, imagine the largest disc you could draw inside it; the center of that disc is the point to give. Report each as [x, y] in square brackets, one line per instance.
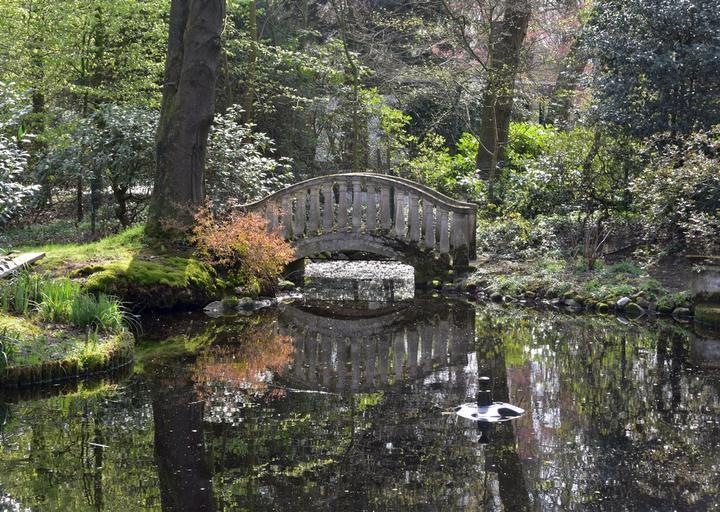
[242, 246]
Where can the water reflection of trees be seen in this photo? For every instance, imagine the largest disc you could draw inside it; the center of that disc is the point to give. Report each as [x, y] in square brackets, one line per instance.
[616, 420]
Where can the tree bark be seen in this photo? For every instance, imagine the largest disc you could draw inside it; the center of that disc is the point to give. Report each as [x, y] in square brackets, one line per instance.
[188, 107]
[498, 95]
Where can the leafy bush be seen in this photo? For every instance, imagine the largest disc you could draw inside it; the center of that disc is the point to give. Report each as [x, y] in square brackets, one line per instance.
[242, 246]
[114, 146]
[679, 193]
[512, 236]
[14, 188]
[453, 175]
[239, 165]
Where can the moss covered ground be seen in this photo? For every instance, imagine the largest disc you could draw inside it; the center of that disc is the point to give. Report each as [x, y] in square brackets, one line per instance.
[601, 287]
[123, 266]
[32, 348]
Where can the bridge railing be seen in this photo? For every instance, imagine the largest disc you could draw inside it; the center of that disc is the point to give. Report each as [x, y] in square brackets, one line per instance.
[374, 204]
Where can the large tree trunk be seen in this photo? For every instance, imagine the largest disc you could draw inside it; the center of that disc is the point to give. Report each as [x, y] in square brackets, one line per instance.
[498, 96]
[187, 111]
[181, 457]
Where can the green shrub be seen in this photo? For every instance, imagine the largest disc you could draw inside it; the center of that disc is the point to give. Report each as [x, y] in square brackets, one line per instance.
[624, 267]
[61, 300]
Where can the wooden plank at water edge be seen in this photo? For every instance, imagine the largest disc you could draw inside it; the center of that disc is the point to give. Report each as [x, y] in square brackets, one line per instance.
[27, 258]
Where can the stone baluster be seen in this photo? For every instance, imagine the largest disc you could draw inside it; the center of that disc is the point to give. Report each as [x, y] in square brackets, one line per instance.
[300, 214]
[341, 350]
[383, 352]
[414, 217]
[314, 217]
[371, 206]
[356, 206]
[342, 216]
[312, 358]
[299, 362]
[428, 224]
[325, 360]
[459, 241]
[271, 214]
[412, 350]
[328, 207]
[426, 340]
[441, 341]
[286, 213]
[399, 353]
[399, 229]
[385, 215]
[444, 234]
[370, 364]
[356, 363]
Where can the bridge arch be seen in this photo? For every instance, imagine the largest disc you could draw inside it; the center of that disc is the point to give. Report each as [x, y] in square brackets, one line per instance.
[349, 355]
[375, 213]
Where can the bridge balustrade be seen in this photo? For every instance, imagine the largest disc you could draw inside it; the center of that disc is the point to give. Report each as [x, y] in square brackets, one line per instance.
[365, 204]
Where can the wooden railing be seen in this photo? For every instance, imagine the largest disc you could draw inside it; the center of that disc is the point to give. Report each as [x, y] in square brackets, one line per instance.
[373, 204]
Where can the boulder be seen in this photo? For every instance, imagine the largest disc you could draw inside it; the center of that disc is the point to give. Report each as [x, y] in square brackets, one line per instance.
[245, 303]
[215, 309]
[285, 286]
[642, 302]
[622, 302]
[681, 313]
[633, 310]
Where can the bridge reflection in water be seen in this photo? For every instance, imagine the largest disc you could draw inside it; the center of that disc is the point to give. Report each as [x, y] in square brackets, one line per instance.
[355, 353]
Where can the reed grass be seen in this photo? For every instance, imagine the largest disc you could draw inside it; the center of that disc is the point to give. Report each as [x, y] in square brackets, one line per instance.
[61, 300]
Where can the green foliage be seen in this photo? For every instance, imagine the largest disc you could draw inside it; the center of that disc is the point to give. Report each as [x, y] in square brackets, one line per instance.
[526, 142]
[513, 236]
[114, 146]
[86, 51]
[60, 300]
[240, 167]
[679, 193]
[14, 187]
[657, 67]
[453, 175]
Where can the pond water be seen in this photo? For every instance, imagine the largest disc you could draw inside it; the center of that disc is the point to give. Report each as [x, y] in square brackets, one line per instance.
[319, 408]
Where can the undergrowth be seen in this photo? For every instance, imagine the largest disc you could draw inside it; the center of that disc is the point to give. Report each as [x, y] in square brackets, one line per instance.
[60, 300]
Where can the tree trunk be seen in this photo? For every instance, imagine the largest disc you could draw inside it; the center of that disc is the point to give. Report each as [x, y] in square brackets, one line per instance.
[183, 467]
[560, 104]
[80, 214]
[249, 96]
[187, 111]
[498, 96]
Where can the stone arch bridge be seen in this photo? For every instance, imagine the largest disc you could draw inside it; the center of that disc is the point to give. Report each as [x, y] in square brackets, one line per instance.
[364, 354]
[379, 214]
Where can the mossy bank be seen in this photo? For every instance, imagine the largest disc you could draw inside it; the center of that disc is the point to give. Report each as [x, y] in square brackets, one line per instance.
[36, 352]
[142, 277]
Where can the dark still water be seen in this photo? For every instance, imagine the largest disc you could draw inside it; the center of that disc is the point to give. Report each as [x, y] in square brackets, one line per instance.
[308, 409]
